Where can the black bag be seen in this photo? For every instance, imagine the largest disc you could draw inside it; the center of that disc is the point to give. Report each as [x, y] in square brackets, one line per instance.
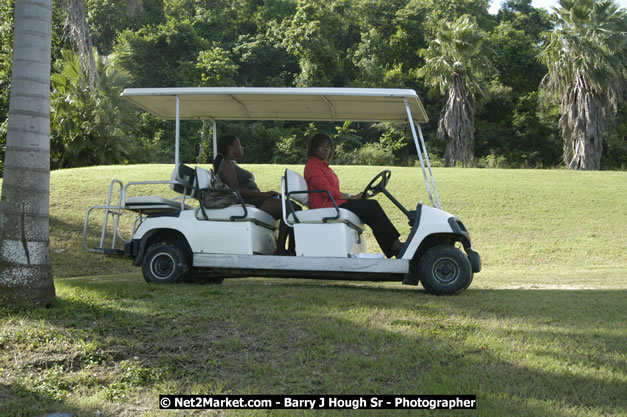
[219, 195]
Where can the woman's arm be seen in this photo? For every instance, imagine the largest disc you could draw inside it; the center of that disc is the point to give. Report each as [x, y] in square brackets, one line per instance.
[229, 176]
[318, 179]
[352, 196]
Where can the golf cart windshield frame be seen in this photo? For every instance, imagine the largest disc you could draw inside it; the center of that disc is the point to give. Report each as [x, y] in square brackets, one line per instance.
[303, 104]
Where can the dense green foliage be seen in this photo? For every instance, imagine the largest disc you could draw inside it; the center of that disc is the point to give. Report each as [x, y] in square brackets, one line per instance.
[340, 43]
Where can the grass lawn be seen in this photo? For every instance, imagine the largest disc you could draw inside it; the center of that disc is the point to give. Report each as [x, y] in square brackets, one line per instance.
[540, 332]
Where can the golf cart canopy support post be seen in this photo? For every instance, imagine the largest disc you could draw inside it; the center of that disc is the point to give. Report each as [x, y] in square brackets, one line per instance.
[177, 133]
[214, 135]
[420, 150]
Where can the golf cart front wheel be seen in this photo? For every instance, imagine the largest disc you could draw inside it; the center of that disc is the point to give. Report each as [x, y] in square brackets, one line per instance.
[165, 264]
[445, 270]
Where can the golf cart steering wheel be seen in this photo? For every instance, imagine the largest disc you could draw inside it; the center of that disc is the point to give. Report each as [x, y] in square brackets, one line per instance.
[377, 184]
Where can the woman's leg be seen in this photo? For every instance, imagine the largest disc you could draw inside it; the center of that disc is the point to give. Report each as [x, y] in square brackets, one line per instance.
[371, 213]
[291, 245]
[274, 207]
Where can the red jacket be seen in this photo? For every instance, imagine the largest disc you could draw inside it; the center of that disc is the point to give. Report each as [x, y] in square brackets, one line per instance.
[320, 177]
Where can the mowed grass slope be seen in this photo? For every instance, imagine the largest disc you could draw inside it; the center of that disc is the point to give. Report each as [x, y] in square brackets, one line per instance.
[530, 226]
[541, 331]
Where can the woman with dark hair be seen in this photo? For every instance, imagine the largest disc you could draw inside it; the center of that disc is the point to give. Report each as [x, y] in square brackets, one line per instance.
[224, 165]
[320, 177]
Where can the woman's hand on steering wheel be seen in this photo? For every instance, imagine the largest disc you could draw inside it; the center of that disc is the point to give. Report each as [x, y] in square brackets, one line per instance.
[377, 184]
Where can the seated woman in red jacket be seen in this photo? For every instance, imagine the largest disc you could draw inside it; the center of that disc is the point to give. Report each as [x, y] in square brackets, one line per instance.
[320, 177]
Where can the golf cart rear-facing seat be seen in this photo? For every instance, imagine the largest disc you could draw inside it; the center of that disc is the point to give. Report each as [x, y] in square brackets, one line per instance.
[181, 182]
[153, 204]
[332, 231]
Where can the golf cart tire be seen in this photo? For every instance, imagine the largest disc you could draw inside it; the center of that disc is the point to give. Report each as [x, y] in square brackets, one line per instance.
[165, 263]
[445, 270]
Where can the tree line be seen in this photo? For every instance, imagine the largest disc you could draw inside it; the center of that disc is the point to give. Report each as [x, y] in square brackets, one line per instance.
[523, 88]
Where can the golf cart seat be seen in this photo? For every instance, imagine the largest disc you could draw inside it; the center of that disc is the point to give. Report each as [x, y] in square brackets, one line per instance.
[319, 216]
[182, 181]
[234, 213]
[323, 232]
[296, 188]
[153, 204]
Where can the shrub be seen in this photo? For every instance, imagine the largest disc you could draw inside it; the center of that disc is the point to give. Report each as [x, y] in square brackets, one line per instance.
[492, 161]
[368, 154]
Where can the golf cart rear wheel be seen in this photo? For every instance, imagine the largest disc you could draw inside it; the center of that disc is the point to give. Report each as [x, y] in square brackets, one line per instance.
[165, 264]
[445, 270]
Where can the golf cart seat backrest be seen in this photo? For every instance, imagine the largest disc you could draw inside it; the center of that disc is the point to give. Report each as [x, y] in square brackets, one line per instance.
[296, 189]
[235, 212]
[183, 180]
[297, 186]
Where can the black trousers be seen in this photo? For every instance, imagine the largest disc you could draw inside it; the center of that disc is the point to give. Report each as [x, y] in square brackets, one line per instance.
[371, 213]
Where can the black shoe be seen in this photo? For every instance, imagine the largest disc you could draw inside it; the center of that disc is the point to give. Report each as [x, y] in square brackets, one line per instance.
[396, 248]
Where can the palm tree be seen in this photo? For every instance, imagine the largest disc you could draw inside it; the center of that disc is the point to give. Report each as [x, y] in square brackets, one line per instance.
[455, 63]
[26, 277]
[586, 56]
[77, 28]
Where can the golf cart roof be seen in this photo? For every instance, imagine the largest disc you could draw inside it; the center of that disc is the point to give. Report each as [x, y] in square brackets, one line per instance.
[253, 103]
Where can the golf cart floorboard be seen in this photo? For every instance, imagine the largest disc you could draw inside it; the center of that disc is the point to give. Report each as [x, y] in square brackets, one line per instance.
[304, 266]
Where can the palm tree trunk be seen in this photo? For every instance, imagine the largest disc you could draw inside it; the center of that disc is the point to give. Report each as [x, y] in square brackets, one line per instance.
[582, 125]
[457, 124]
[76, 26]
[25, 268]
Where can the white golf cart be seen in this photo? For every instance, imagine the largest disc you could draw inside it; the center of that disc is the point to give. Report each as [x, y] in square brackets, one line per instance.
[176, 240]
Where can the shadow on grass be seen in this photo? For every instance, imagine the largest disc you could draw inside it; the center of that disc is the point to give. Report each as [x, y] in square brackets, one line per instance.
[522, 352]
[13, 400]
[70, 259]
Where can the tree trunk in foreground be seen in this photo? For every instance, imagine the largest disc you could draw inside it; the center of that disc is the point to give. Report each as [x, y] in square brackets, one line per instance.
[457, 124]
[25, 268]
[582, 125]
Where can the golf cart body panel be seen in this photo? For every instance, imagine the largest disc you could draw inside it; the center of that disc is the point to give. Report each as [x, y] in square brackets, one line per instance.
[173, 239]
[243, 237]
[433, 221]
